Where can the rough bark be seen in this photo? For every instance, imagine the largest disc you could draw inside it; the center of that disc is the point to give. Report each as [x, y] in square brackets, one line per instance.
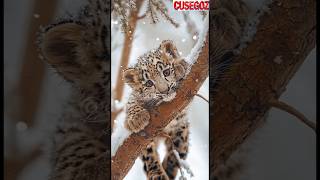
[284, 38]
[128, 152]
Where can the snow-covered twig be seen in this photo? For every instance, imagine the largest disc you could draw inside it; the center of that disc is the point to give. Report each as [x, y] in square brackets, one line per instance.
[159, 6]
[193, 56]
[122, 9]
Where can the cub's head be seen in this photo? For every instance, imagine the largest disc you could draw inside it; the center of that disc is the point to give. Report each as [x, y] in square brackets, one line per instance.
[157, 73]
[76, 55]
[82, 60]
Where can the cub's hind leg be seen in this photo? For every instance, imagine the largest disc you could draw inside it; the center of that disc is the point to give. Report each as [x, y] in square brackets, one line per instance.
[178, 130]
[152, 165]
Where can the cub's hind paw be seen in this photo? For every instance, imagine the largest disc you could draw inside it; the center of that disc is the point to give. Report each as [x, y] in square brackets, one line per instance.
[137, 121]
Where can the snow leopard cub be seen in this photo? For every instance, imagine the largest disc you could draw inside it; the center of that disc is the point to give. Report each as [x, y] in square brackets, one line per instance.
[155, 79]
[78, 49]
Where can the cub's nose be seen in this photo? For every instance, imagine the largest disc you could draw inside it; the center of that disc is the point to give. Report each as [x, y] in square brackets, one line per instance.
[162, 85]
[164, 91]
[162, 88]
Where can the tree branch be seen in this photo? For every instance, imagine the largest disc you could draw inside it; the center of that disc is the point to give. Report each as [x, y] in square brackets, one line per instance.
[202, 97]
[284, 38]
[291, 110]
[161, 116]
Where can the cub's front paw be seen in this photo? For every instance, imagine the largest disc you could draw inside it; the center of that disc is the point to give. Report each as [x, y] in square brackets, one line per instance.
[137, 121]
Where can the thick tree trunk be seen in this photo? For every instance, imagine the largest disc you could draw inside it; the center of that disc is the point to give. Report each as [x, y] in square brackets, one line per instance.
[284, 38]
[161, 117]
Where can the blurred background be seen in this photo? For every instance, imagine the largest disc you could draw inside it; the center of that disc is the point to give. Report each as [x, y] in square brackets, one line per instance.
[33, 94]
[34, 97]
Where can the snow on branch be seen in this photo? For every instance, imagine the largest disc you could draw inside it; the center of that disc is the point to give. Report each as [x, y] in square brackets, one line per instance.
[193, 56]
[124, 154]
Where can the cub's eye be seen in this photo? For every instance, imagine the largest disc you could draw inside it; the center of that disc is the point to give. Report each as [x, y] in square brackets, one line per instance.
[166, 72]
[149, 83]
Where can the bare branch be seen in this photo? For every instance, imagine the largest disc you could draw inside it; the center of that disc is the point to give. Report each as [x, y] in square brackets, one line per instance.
[199, 95]
[291, 110]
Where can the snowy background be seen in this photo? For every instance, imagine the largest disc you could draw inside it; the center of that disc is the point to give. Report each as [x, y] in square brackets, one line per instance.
[282, 149]
[147, 37]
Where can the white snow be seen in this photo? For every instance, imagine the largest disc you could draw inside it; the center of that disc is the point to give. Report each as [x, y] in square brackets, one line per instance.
[21, 126]
[183, 165]
[193, 55]
[278, 59]
[120, 133]
[36, 16]
[257, 9]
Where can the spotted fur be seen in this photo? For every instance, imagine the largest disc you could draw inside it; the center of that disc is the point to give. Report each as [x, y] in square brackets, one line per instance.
[155, 79]
[78, 49]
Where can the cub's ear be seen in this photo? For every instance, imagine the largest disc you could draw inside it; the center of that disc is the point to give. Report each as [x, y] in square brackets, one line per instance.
[61, 43]
[181, 68]
[131, 76]
[169, 50]
[61, 46]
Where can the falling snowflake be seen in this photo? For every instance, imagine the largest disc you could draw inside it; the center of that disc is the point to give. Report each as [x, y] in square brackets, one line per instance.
[21, 126]
[36, 16]
[194, 37]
